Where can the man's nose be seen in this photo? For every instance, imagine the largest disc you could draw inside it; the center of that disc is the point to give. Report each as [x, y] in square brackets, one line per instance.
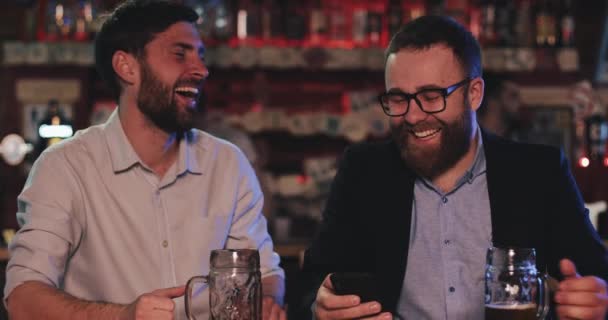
[415, 113]
[199, 69]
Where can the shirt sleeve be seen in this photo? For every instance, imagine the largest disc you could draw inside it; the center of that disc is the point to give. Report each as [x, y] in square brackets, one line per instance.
[249, 227]
[48, 232]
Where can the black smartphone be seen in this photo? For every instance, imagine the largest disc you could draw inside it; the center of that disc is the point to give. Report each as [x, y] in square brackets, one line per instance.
[357, 283]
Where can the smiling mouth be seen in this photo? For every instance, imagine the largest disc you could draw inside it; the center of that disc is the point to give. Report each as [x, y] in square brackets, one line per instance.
[422, 134]
[187, 92]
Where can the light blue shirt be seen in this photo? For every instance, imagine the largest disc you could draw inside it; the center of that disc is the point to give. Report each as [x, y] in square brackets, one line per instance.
[450, 233]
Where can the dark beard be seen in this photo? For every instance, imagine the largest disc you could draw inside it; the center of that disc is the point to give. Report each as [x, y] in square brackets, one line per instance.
[455, 141]
[156, 101]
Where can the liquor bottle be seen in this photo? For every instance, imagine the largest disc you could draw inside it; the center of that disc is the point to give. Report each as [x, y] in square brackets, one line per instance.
[272, 20]
[487, 36]
[296, 20]
[523, 24]
[248, 21]
[337, 20]
[204, 23]
[546, 25]
[596, 134]
[223, 21]
[359, 25]
[505, 22]
[51, 32]
[567, 25]
[318, 23]
[376, 34]
[395, 16]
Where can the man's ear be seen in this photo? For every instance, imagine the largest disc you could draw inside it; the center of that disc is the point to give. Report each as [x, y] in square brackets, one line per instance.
[476, 90]
[126, 66]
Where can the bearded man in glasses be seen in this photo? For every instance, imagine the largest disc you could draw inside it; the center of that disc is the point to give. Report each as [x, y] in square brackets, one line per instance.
[418, 212]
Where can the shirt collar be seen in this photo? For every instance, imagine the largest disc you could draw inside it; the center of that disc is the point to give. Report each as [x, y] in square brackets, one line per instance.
[123, 155]
[479, 163]
[477, 168]
[186, 158]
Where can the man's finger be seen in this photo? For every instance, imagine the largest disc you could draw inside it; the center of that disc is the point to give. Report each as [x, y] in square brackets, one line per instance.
[588, 283]
[382, 316]
[580, 298]
[362, 310]
[327, 299]
[267, 303]
[575, 312]
[173, 292]
[568, 269]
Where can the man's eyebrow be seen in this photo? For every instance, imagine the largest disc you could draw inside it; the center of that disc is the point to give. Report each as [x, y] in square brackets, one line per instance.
[418, 89]
[187, 46]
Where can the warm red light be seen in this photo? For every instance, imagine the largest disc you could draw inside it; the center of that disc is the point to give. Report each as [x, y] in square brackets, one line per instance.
[302, 179]
[605, 162]
[584, 162]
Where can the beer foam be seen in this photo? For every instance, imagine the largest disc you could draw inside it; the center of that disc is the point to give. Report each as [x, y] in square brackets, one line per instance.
[511, 306]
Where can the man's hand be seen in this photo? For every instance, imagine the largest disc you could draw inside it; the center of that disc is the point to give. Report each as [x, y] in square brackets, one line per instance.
[272, 310]
[157, 304]
[579, 297]
[329, 306]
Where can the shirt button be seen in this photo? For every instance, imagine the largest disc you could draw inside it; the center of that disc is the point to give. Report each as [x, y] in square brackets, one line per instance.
[165, 243]
[452, 289]
[444, 199]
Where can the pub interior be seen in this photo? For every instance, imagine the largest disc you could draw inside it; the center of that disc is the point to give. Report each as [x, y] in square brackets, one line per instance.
[293, 83]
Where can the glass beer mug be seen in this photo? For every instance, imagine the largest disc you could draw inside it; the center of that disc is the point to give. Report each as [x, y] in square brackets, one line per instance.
[514, 289]
[235, 288]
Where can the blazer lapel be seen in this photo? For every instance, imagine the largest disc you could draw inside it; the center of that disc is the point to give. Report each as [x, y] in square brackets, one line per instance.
[394, 230]
[503, 206]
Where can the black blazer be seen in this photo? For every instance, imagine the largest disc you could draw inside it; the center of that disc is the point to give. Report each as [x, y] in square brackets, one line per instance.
[534, 202]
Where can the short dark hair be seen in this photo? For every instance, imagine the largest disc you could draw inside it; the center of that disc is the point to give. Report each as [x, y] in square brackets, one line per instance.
[130, 27]
[426, 31]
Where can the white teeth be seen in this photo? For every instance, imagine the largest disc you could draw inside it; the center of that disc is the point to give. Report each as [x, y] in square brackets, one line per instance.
[187, 90]
[425, 133]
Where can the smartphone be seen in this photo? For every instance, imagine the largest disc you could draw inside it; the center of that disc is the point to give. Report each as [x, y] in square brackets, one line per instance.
[357, 283]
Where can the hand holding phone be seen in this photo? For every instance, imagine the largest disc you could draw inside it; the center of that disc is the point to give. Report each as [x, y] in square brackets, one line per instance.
[357, 283]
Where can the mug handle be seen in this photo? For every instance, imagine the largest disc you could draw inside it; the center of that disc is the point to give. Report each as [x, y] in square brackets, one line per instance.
[543, 297]
[188, 298]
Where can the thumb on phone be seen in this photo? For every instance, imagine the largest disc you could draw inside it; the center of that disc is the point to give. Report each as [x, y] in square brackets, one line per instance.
[327, 282]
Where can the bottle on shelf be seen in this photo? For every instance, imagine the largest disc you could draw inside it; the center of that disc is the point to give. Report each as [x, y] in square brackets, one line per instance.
[394, 15]
[204, 24]
[523, 24]
[596, 133]
[359, 19]
[487, 36]
[546, 24]
[376, 31]
[249, 20]
[318, 23]
[223, 21]
[567, 24]
[337, 20]
[296, 21]
[505, 22]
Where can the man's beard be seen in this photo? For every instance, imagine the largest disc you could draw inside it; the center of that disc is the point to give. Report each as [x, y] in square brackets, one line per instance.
[156, 101]
[455, 141]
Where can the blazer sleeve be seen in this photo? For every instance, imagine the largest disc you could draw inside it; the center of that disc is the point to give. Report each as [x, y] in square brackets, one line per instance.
[335, 246]
[572, 235]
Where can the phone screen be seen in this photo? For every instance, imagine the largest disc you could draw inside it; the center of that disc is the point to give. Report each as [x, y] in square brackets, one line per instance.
[357, 283]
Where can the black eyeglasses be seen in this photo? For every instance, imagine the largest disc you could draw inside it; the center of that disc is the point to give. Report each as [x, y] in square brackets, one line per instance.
[396, 104]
